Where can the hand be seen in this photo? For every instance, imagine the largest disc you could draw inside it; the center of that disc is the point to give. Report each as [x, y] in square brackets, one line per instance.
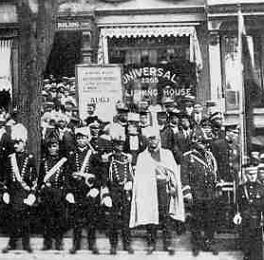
[70, 198]
[128, 186]
[237, 219]
[30, 200]
[6, 198]
[107, 201]
[188, 197]
[93, 193]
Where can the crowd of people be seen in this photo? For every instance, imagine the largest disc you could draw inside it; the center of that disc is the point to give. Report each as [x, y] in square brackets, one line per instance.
[150, 167]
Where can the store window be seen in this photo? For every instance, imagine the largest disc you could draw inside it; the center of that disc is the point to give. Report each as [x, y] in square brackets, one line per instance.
[231, 68]
[154, 68]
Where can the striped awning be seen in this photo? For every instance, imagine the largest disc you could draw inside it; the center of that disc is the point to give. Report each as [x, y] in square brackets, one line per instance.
[150, 31]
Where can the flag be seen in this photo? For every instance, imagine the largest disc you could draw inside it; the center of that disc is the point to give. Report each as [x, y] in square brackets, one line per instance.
[251, 90]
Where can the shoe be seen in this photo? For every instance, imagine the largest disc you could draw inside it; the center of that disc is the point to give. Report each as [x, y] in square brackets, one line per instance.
[73, 251]
[95, 250]
[130, 250]
[28, 249]
[195, 251]
[8, 248]
[113, 250]
[170, 250]
[150, 250]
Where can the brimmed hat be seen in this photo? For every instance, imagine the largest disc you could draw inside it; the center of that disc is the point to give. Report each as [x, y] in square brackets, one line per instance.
[216, 115]
[81, 131]
[121, 107]
[133, 117]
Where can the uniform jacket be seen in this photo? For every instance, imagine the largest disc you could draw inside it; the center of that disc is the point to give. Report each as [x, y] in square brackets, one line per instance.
[19, 190]
[199, 174]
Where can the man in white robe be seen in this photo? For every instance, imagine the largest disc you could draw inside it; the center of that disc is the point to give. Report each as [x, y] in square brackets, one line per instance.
[157, 196]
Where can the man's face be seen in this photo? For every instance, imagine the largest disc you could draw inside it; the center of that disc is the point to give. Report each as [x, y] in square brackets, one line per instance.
[174, 120]
[90, 109]
[19, 146]
[82, 141]
[251, 177]
[153, 143]
[261, 174]
[185, 123]
[189, 109]
[53, 149]
[218, 122]
[144, 119]
[61, 124]
[162, 119]
[122, 116]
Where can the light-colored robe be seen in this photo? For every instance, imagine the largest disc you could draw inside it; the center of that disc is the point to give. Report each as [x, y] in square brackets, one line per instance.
[144, 205]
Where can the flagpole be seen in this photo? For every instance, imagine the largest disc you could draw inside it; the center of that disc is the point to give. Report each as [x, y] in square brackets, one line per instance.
[241, 31]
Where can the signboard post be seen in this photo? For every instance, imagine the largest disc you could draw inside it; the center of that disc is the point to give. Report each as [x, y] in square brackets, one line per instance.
[100, 85]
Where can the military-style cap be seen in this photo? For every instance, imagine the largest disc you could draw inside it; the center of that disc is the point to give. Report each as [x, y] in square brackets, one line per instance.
[121, 107]
[118, 137]
[133, 117]
[174, 112]
[216, 115]
[82, 131]
[95, 125]
[19, 133]
[188, 100]
[251, 170]
[197, 108]
[151, 132]
[167, 100]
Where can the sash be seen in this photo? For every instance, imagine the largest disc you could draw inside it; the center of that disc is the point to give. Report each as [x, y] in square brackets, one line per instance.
[54, 169]
[89, 178]
[16, 172]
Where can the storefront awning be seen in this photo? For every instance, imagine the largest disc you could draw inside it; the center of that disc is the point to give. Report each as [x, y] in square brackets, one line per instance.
[149, 31]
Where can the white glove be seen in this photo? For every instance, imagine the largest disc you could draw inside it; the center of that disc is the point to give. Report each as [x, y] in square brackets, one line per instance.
[6, 198]
[128, 186]
[237, 219]
[93, 193]
[107, 201]
[30, 200]
[70, 198]
[188, 196]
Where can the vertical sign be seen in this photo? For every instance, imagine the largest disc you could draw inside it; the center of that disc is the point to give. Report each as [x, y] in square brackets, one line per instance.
[100, 85]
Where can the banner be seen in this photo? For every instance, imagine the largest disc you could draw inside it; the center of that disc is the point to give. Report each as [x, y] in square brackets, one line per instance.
[100, 85]
[5, 65]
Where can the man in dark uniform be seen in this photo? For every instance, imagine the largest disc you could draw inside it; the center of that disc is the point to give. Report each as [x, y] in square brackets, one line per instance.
[21, 182]
[85, 184]
[199, 181]
[54, 191]
[250, 198]
[120, 186]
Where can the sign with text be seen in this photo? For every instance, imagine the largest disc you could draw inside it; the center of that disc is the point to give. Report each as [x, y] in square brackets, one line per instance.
[154, 82]
[100, 85]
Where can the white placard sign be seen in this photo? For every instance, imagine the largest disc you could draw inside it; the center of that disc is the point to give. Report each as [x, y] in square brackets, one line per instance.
[101, 85]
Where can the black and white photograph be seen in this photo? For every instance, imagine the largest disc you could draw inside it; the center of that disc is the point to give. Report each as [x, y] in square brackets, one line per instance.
[132, 129]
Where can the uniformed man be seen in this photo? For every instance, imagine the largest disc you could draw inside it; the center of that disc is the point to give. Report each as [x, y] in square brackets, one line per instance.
[250, 199]
[120, 187]
[21, 182]
[199, 180]
[85, 185]
[135, 142]
[54, 191]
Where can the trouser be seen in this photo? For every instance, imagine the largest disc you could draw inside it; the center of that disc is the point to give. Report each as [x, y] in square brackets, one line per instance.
[119, 216]
[252, 242]
[54, 224]
[85, 216]
[19, 226]
[203, 220]
[164, 219]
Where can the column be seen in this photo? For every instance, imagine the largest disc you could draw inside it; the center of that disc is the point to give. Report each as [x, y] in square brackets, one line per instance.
[216, 88]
